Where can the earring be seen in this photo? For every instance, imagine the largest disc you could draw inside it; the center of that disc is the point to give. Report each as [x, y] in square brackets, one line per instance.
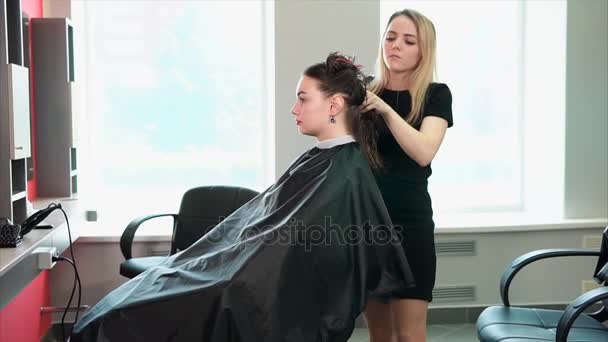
[332, 119]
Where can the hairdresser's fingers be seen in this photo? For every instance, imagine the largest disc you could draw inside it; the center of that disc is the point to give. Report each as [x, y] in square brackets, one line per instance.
[370, 97]
[367, 107]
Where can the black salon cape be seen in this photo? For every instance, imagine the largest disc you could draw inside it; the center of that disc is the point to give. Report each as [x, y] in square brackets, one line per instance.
[296, 263]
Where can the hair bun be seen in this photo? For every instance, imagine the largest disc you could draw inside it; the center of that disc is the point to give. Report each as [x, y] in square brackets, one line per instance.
[337, 63]
[338, 74]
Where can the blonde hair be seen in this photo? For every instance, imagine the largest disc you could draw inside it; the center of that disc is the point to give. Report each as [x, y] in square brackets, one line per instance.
[423, 73]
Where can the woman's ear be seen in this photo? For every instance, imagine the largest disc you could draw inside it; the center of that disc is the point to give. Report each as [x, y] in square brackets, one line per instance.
[336, 104]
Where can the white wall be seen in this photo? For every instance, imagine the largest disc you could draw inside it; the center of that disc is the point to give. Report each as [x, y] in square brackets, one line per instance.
[586, 191]
[306, 32]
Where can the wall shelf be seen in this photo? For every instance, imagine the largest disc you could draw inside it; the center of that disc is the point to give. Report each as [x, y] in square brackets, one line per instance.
[18, 196]
[15, 137]
[53, 67]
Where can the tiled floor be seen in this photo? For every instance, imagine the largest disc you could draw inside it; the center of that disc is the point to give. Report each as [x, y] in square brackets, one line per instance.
[435, 333]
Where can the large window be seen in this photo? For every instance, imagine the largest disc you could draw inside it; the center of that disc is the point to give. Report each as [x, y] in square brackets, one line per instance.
[172, 95]
[505, 64]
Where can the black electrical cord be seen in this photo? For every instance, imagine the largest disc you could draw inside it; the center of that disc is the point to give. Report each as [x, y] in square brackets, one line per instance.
[76, 280]
[74, 260]
[36, 220]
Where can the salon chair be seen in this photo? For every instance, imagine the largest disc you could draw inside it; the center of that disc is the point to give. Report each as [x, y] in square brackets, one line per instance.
[575, 323]
[201, 209]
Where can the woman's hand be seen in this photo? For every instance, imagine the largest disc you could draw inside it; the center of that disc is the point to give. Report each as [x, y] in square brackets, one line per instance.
[373, 102]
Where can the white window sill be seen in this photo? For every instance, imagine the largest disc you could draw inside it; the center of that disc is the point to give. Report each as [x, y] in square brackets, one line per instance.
[94, 232]
[509, 222]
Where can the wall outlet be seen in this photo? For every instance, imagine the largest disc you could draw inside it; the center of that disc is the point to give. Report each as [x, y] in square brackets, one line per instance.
[45, 257]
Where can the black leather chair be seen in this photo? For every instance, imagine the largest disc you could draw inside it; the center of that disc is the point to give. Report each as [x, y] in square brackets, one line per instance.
[201, 209]
[515, 324]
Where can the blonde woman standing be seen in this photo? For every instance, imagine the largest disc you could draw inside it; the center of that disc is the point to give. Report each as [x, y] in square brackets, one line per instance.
[413, 114]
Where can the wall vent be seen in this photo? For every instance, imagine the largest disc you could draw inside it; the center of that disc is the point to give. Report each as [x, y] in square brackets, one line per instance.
[448, 294]
[592, 242]
[455, 248]
[588, 285]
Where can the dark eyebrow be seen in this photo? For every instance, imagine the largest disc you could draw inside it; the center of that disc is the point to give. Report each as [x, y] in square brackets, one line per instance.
[405, 34]
[300, 92]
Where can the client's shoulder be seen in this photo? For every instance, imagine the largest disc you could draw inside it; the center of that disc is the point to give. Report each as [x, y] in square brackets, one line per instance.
[352, 157]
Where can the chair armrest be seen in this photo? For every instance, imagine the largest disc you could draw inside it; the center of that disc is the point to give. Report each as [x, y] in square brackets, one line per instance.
[528, 258]
[575, 309]
[126, 239]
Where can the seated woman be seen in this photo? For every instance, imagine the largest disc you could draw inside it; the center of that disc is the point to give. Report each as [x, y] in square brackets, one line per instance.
[297, 262]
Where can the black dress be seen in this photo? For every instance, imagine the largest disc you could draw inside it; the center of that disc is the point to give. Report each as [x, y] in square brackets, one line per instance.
[403, 184]
[297, 263]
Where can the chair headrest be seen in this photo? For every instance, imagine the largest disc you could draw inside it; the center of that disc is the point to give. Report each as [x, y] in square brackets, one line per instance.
[214, 201]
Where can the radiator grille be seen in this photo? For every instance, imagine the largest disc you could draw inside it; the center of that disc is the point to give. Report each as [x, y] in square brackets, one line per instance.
[455, 248]
[592, 242]
[588, 285]
[448, 294]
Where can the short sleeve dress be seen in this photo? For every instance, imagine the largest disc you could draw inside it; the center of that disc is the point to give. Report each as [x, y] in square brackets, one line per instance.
[404, 187]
